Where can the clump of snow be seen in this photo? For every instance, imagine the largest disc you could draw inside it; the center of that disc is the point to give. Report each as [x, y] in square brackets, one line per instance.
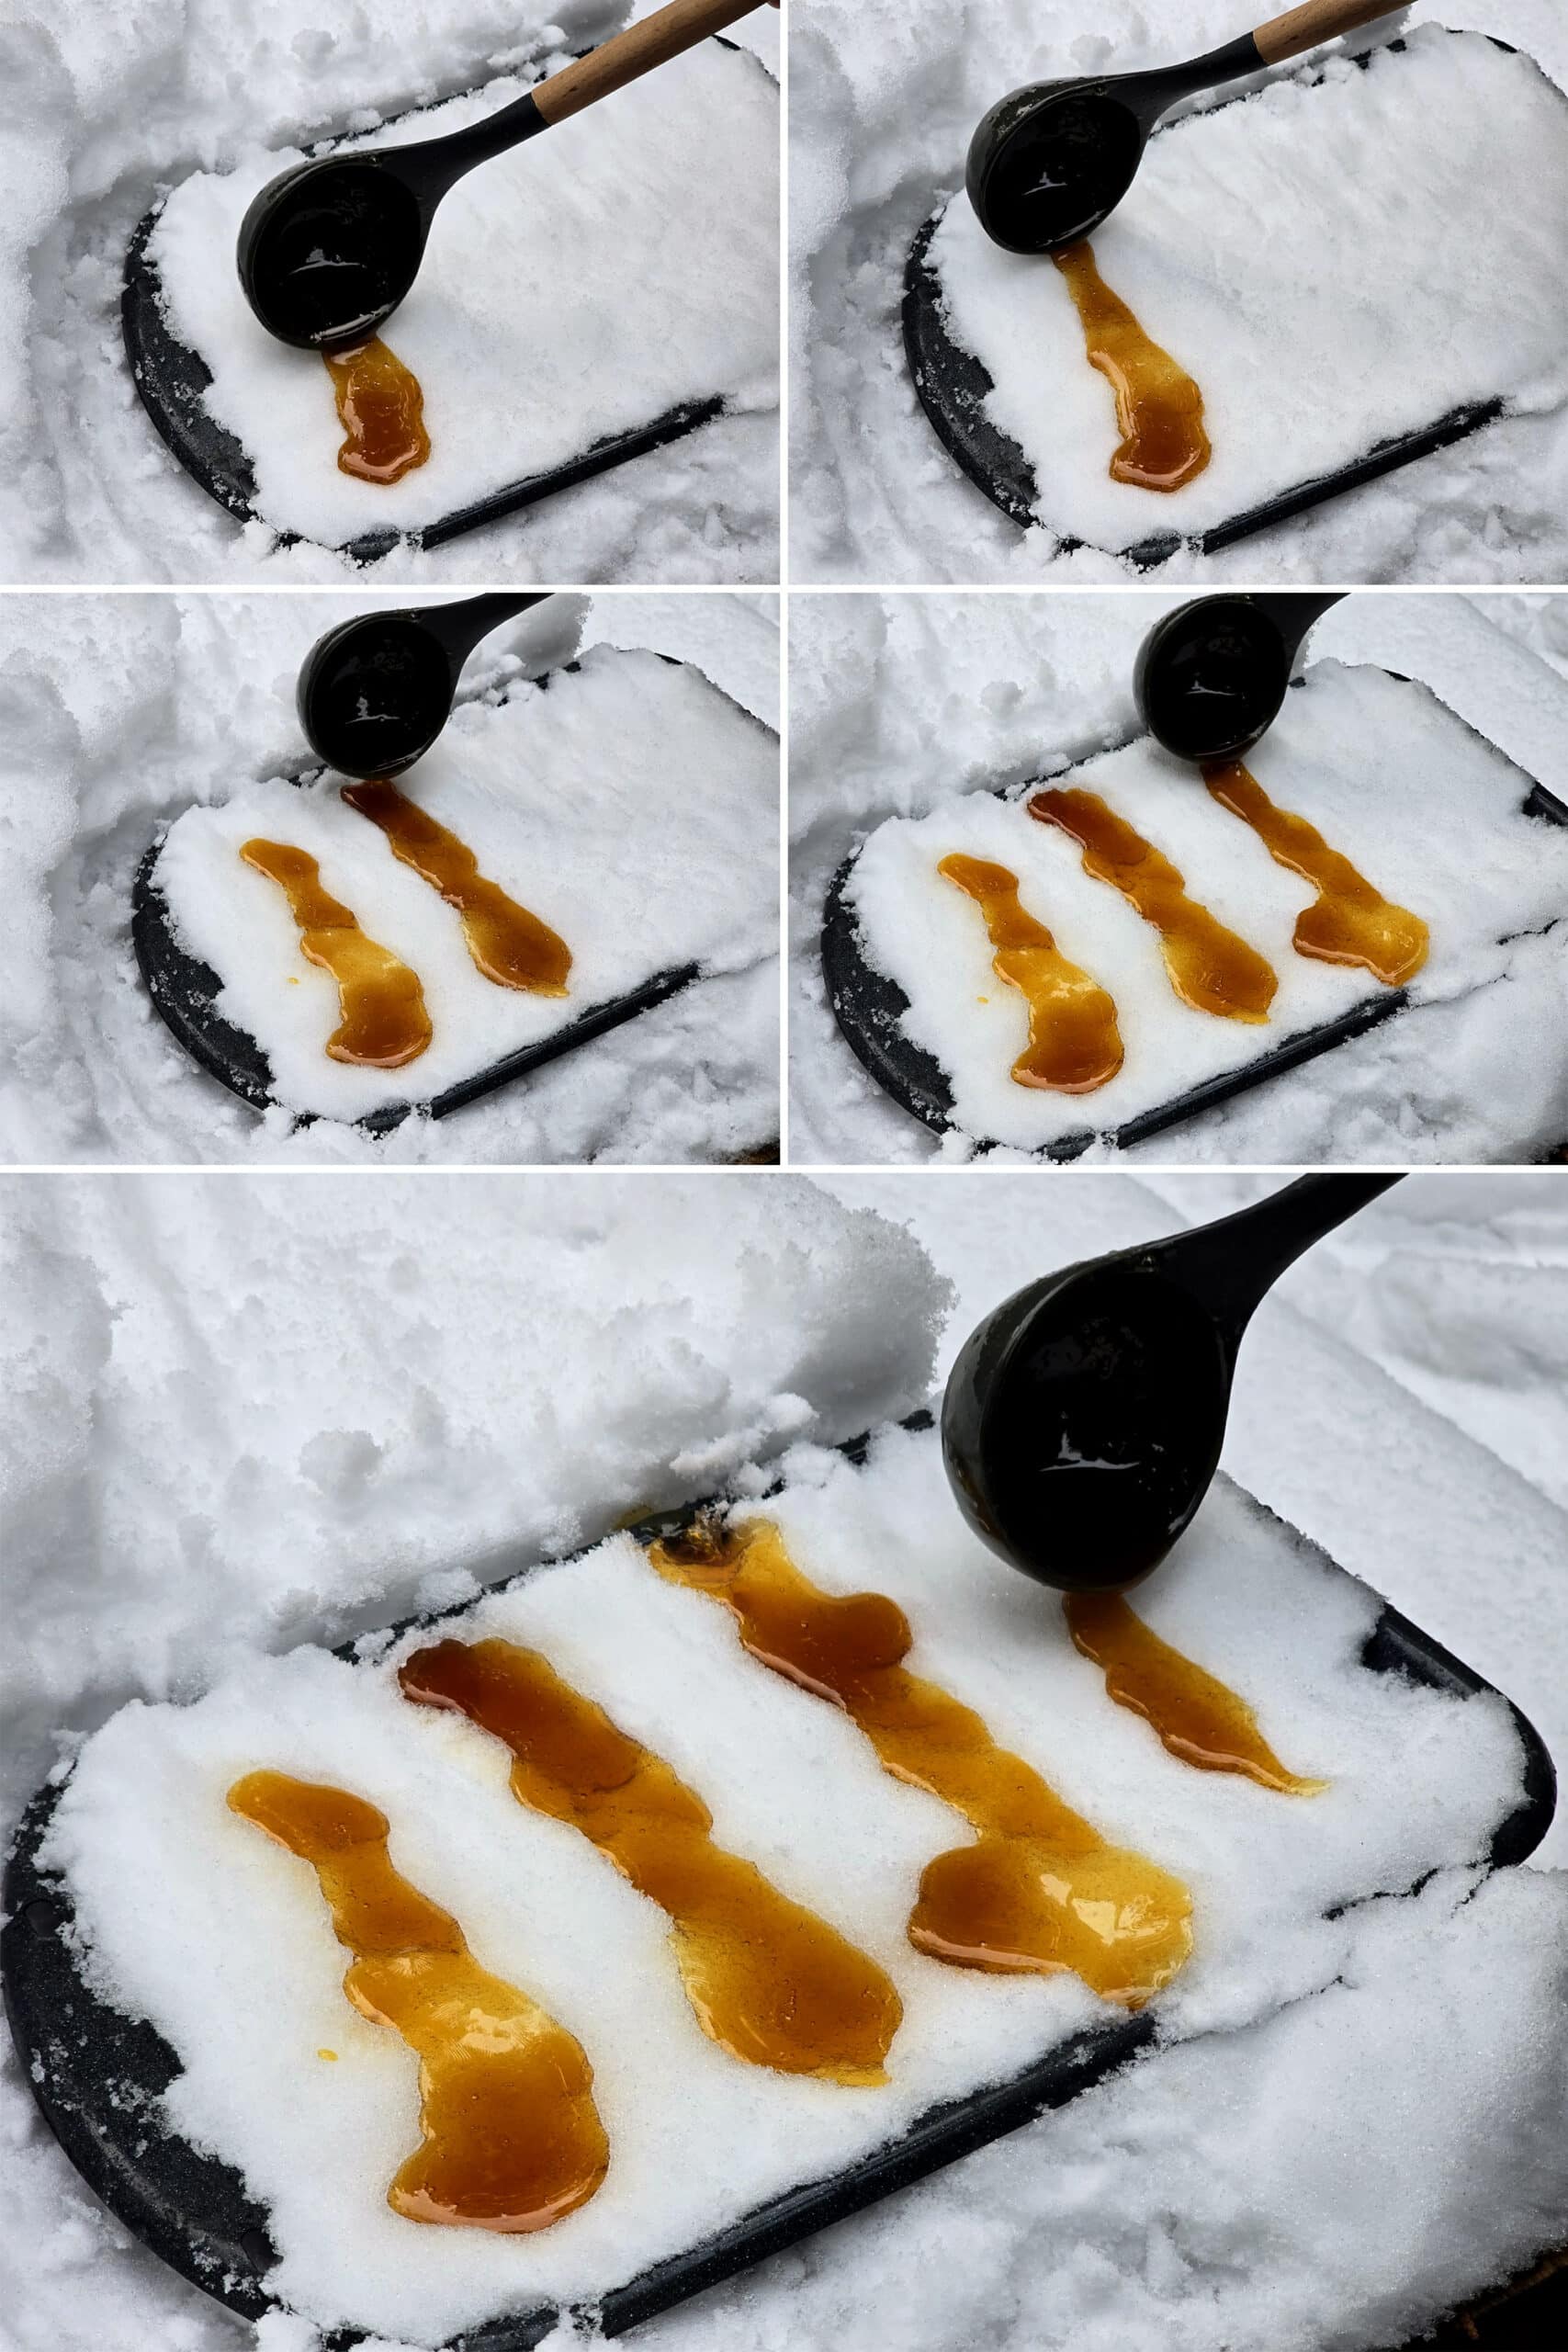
[569, 292]
[1423, 808]
[883, 99]
[554, 792]
[121, 713]
[1418, 1780]
[917, 709]
[109, 111]
[1243, 250]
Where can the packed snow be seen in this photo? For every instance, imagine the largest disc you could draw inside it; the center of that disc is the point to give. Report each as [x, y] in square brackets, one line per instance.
[122, 713]
[217, 1454]
[569, 292]
[1421, 805]
[550, 790]
[1243, 250]
[697, 2138]
[907, 714]
[883, 99]
[111, 110]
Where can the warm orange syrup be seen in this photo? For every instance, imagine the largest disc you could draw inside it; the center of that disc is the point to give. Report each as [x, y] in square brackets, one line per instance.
[510, 945]
[384, 1020]
[1040, 1889]
[511, 2138]
[1349, 923]
[767, 1980]
[1160, 410]
[381, 410]
[1210, 967]
[1196, 1716]
[1074, 1042]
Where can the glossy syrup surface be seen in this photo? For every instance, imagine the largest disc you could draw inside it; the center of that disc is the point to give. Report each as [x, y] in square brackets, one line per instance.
[384, 1021]
[1159, 409]
[381, 410]
[1195, 1715]
[1074, 1042]
[1349, 923]
[767, 1980]
[511, 2138]
[510, 945]
[1039, 1890]
[1210, 967]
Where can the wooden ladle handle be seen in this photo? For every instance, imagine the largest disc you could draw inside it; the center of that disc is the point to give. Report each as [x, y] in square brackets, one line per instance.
[636, 52]
[1303, 27]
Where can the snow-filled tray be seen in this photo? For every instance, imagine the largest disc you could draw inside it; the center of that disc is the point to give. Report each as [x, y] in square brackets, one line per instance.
[1428, 812]
[176, 1988]
[623, 801]
[583, 300]
[1352, 263]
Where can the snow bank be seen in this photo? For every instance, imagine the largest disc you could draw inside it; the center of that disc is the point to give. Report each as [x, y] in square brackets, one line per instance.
[697, 2139]
[118, 106]
[120, 713]
[884, 100]
[1443, 832]
[908, 707]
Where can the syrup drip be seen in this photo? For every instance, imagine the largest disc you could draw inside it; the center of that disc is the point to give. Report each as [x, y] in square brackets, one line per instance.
[1194, 1716]
[1159, 409]
[1074, 1042]
[1040, 1890]
[768, 1980]
[381, 410]
[510, 945]
[384, 1020]
[512, 2140]
[1210, 967]
[1349, 923]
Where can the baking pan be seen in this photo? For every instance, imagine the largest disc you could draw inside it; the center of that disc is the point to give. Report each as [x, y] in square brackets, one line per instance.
[953, 385]
[172, 380]
[183, 992]
[869, 1007]
[97, 2076]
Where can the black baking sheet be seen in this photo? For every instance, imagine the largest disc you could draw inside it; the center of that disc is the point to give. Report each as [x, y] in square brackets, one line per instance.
[185, 991]
[869, 1007]
[97, 2076]
[172, 382]
[954, 386]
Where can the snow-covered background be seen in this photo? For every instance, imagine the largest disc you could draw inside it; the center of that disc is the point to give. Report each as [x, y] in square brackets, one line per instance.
[883, 96]
[117, 712]
[898, 703]
[106, 108]
[253, 1410]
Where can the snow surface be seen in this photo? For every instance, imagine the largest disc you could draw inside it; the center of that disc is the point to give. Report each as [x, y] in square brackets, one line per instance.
[550, 790]
[698, 2139]
[1243, 250]
[1422, 806]
[917, 709]
[568, 292]
[885, 96]
[189, 1490]
[112, 108]
[119, 713]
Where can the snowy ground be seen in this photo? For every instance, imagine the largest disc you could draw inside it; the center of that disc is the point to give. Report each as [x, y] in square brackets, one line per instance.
[899, 703]
[118, 712]
[112, 108]
[219, 1449]
[883, 98]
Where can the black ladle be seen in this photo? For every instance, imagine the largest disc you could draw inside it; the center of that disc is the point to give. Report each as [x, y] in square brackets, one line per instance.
[1052, 161]
[329, 249]
[376, 692]
[1083, 1420]
[1211, 677]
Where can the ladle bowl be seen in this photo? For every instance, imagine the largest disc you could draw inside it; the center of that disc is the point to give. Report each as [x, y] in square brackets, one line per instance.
[1211, 677]
[375, 692]
[329, 249]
